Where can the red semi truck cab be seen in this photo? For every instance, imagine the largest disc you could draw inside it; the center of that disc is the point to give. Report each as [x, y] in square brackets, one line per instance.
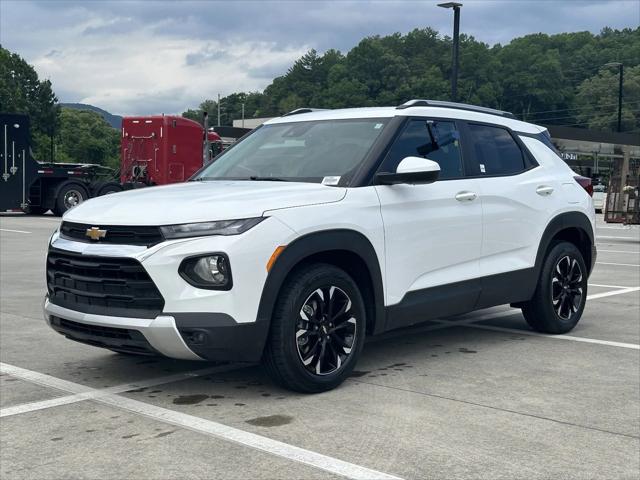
[162, 149]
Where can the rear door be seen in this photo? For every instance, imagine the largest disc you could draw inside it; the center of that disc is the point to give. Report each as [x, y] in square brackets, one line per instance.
[517, 198]
[433, 232]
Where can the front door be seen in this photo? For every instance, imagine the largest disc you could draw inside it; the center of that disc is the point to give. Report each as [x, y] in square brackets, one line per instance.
[433, 232]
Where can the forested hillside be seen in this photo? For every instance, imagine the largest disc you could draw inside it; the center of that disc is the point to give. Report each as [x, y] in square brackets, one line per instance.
[549, 79]
[114, 120]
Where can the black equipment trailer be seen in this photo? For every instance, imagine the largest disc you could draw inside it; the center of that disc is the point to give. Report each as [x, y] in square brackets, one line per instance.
[36, 187]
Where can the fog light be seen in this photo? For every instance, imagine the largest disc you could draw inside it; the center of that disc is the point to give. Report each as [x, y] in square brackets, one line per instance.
[207, 271]
[196, 338]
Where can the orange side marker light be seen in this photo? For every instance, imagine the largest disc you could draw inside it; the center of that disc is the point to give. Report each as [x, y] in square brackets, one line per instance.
[274, 256]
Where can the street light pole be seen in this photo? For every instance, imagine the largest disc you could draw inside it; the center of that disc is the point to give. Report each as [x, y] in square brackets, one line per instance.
[620, 83]
[456, 46]
[218, 109]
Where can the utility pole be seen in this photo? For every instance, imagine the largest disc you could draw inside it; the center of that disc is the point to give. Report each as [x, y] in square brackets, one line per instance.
[620, 84]
[243, 115]
[621, 72]
[218, 109]
[456, 46]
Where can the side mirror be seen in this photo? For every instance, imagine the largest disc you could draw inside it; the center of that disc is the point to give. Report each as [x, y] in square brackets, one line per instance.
[412, 170]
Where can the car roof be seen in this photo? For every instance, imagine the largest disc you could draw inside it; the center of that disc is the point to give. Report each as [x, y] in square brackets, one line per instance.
[417, 111]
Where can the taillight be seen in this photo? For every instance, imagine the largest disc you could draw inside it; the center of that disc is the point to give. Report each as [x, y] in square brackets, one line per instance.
[585, 182]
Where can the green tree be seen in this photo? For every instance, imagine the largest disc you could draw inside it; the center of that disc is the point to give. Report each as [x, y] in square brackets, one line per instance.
[21, 91]
[85, 137]
[597, 100]
[538, 77]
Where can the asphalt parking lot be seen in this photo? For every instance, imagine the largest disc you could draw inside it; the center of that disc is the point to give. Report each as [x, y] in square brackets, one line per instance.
[477, 396]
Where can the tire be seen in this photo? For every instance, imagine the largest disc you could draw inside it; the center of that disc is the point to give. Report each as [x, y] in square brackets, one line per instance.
[289, 356]
[559, 299]
[69, 195]
[109, 187]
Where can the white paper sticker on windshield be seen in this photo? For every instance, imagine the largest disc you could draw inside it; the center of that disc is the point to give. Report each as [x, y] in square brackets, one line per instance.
[331, 180]
[378, 126]
[482, 169]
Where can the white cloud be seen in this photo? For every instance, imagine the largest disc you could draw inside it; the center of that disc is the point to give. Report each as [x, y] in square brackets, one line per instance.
[138, 72]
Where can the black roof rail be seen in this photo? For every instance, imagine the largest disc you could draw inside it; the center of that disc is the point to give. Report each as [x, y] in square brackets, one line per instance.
[303, 110]
[459, 106]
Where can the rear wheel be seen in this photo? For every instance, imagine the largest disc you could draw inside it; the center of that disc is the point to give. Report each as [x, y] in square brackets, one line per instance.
[317, 330]
[69, 195]
[560, 297]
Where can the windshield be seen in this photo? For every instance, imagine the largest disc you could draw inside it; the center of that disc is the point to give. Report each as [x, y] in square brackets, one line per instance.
[325, 151]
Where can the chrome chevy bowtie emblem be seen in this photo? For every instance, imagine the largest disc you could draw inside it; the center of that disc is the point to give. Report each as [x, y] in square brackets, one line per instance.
[94, 233]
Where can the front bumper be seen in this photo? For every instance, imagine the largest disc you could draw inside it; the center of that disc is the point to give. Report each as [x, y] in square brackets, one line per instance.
[193, 324]
[186, 336]
[161, 332]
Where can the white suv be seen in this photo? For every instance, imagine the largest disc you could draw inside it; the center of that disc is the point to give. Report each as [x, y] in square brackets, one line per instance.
[322, 227]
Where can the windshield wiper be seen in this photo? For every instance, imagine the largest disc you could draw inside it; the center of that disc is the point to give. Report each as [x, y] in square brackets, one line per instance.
[267, 179]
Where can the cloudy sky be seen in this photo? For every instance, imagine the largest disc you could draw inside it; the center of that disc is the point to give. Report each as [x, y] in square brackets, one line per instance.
[142, 57]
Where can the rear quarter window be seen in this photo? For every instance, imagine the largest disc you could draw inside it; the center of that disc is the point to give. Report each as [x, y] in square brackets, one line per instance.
[494, 150]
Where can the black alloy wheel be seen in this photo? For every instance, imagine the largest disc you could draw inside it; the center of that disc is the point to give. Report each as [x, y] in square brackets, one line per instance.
[561, 293]
[566, 287]
[326, 330]
[317, 329]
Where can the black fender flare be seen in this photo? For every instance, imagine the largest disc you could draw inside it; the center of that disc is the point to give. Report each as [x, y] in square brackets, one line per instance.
[561, 222]
[317, 243]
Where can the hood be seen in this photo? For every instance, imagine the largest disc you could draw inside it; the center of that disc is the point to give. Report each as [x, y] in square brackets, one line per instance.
[200, 202]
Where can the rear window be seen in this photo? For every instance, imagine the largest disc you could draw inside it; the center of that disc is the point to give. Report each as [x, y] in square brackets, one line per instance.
[495, 152]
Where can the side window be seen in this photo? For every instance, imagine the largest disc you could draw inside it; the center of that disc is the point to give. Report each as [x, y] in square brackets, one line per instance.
[495, 152]
[432, 139]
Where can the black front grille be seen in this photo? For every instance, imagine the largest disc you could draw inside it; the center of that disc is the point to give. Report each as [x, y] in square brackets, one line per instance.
[114, 234]
[102, 285]
[119, 339]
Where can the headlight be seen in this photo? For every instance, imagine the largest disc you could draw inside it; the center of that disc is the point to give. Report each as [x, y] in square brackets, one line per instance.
[222, 227]
[209, 271]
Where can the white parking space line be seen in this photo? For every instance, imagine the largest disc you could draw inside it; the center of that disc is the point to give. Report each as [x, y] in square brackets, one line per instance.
[619, 251]
[618, 264]
[12, 231]
[601, 237]
[208, 427]
[609, 286]
[632, 346]
[90, 393]
[595, 296]
[627, 229]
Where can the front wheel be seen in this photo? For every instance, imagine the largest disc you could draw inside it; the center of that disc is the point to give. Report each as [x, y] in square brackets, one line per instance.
[560, 297]
[317, 330]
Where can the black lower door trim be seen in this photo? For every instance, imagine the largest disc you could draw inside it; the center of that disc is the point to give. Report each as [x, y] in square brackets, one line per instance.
[435, 302]
[461, 297]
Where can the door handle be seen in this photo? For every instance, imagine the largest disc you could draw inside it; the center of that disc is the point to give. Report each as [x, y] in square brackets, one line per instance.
[544, 190]
[465, 196]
